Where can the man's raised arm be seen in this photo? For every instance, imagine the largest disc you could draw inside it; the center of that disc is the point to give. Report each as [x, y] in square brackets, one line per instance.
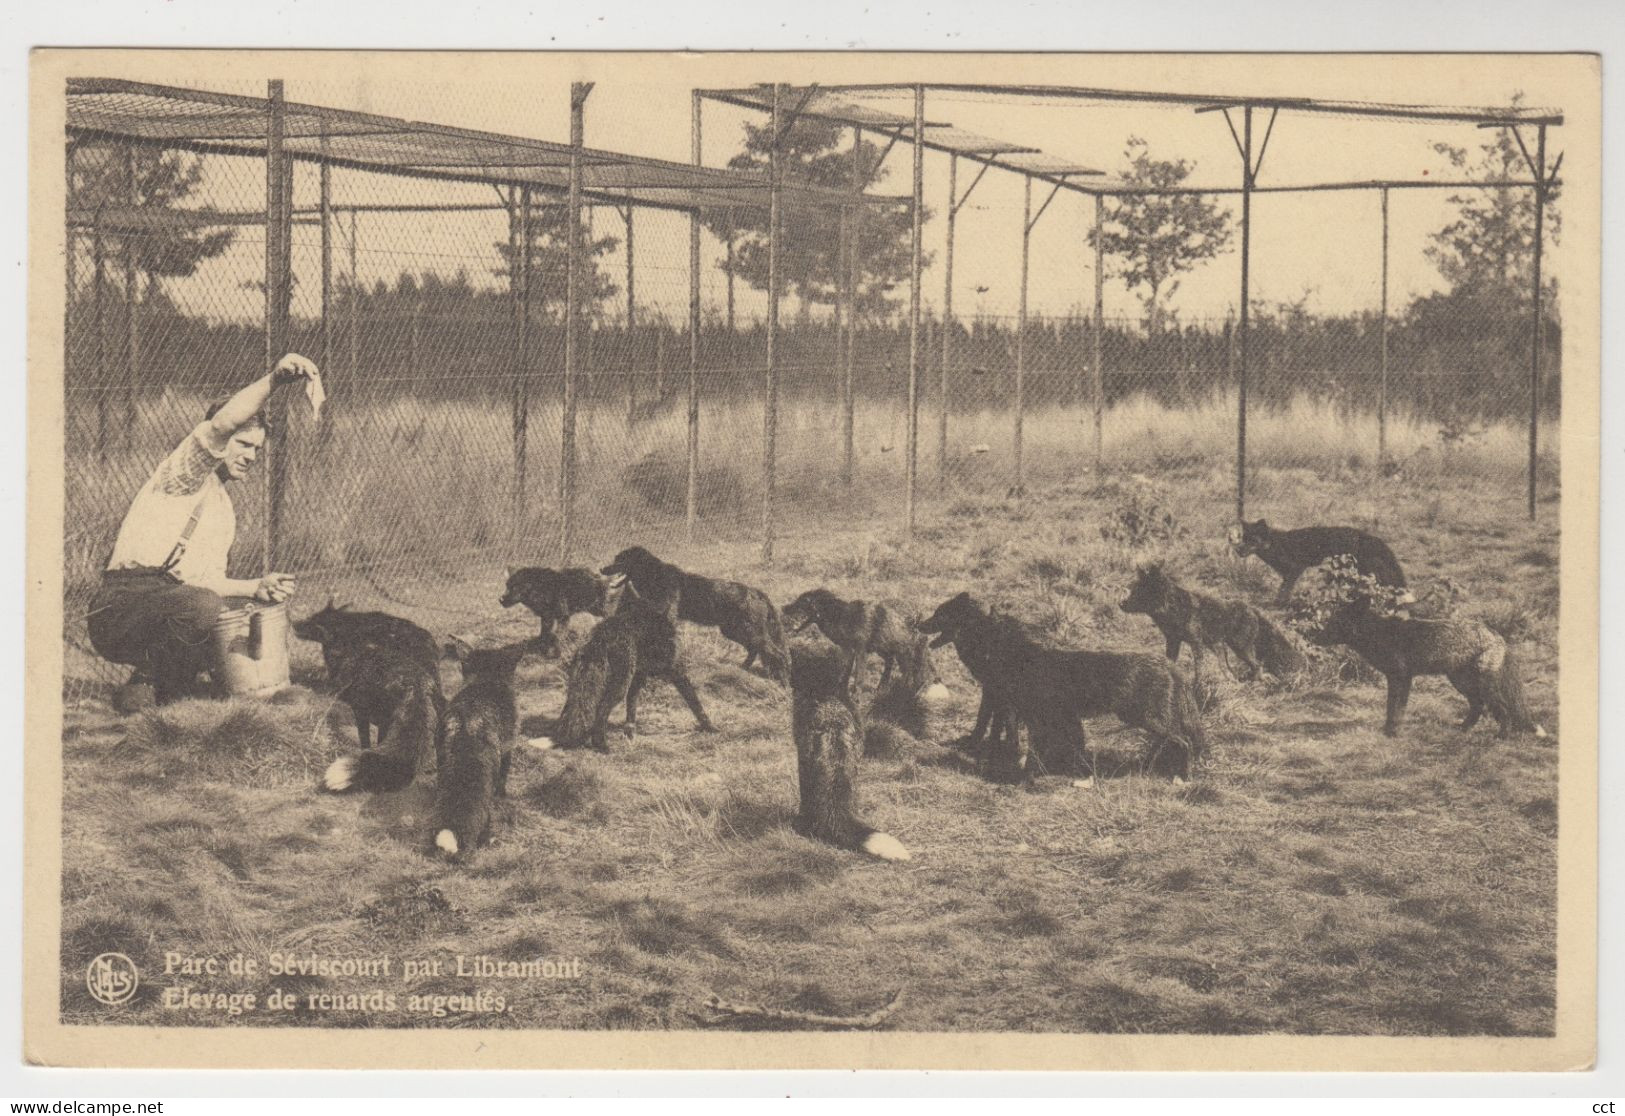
[251, 399]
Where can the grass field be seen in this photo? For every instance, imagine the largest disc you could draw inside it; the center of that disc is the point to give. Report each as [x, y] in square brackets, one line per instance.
[1315, 878]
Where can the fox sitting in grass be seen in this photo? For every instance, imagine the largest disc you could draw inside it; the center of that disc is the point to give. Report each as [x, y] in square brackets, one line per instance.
[1290, 553]
[475, 747]
[1353, 609]
[829, 745]
[860, 629]
[402, 697]
[1185, 616]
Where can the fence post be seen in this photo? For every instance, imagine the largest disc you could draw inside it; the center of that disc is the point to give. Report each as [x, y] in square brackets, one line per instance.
[278, 251]
[691, 502]
[915, 266]
[770, 411]
[519, 286]
[849, 357]
[1100, 326]
[355, 300]
[842, 308]
[325, 187]
[631, 298]
[567, 443]
[70, 318]
[1241, 341]
[1538, 325]
[1382, 384]
[947, 323]
[132, 328]
[98, 262]
[1021, 326]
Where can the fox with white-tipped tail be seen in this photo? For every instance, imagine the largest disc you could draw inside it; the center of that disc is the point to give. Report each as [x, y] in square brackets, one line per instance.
[476, 748]
[402, 697]
[829, 746]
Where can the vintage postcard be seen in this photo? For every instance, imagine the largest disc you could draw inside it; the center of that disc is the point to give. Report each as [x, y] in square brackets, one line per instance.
[813, 560]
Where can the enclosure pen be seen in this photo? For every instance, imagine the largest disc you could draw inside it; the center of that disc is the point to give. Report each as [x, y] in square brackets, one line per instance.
[160, 182]
[444, 275]
[805, 729]
[854, 105]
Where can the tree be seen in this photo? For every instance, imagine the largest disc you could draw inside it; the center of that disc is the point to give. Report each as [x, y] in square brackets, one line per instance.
[1159, 237]
[1487, 252]
[549, 259]
[809, 245]
[107, 177]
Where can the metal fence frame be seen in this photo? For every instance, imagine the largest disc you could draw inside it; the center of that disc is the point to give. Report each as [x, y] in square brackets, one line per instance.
[281, 133]
[842, 104]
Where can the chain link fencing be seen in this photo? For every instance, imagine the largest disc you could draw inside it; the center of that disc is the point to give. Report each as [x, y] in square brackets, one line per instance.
[437, 461]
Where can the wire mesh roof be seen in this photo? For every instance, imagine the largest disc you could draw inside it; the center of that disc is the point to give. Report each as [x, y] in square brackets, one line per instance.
[853, 106]
[1461, 114]
[230, 124]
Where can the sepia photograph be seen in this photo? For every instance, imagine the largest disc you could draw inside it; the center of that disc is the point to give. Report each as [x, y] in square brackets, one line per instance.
[813, 560]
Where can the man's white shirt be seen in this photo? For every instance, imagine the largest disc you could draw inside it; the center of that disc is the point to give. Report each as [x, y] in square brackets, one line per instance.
[183, 482]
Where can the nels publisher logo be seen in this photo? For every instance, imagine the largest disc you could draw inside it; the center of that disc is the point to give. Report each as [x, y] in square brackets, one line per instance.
[112, 978]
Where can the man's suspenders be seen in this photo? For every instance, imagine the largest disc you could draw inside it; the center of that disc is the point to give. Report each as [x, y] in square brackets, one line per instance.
[186, 533]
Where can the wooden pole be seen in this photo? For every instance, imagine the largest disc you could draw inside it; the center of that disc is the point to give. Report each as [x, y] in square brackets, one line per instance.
[1021, 328]
[1099, 377]
[691, 504]
[770, 411]
[1538, 324]
[132, 309]
[1382, 382]
[278, 244]
[849, 357]
[572, 295]
[325, 188]
[70, 259]
[631, 303]
[355, 299]
[519, 345]
[947, 323]
[1241, 339]
[915, 275]
[98, 264]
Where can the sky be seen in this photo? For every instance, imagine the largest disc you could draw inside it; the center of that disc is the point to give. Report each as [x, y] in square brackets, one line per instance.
[1324, 248]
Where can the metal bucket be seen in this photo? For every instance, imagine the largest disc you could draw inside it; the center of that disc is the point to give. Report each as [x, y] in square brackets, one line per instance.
[250, 646]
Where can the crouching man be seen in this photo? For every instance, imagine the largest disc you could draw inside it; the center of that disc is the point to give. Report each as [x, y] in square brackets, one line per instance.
[166, 583]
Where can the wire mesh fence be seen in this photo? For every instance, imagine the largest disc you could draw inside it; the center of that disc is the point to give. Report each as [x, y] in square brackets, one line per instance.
[437, 310]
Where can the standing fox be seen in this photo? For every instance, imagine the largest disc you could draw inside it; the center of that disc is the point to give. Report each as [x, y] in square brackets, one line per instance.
[742, 613]
[1290, 553]
[829, 744]
[1185, 616]
[1052, 689]
[1477, 661]
[475, 748]
[555, 596]
[637, 643]
[859, 629]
